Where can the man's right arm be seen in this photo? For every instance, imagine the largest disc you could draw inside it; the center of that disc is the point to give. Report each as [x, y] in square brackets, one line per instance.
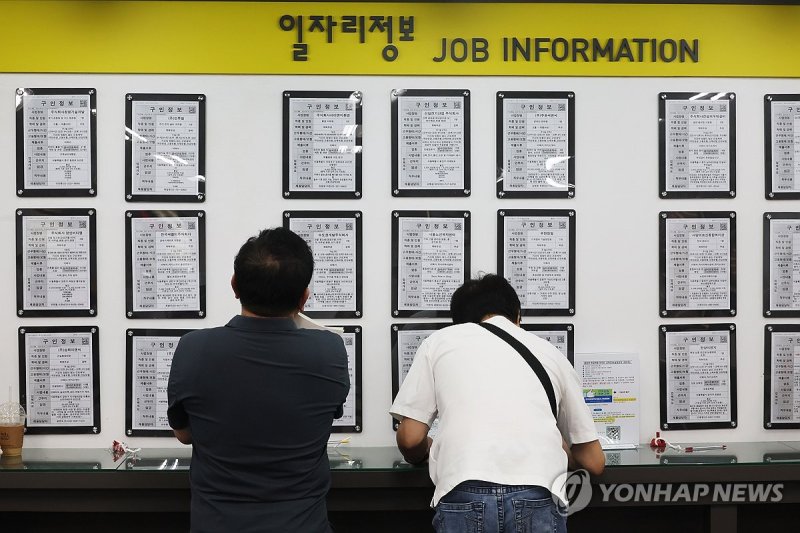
[577, 426]
[413, 440]
[586, 455]
[415, 408]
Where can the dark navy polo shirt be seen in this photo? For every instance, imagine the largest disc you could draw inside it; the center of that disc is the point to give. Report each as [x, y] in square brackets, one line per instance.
[259, 396]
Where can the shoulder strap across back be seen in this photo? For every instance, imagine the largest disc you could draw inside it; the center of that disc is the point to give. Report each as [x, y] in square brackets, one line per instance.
[534, 363]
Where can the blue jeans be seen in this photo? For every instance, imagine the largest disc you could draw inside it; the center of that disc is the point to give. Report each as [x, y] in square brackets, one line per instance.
[483, 507]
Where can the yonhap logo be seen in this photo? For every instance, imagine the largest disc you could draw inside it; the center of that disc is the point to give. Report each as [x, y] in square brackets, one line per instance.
[572, 492]
[576, 488]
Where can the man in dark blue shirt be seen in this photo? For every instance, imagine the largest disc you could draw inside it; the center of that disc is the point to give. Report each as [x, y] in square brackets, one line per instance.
[257, 398]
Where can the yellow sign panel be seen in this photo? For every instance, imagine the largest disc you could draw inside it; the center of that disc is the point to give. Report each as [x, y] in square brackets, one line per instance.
[480, 39]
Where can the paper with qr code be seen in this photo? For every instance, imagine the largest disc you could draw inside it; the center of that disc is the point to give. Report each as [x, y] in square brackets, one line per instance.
[610, 383]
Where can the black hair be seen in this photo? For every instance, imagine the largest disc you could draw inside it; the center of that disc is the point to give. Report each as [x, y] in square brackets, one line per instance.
[488, 295]
[272, 272]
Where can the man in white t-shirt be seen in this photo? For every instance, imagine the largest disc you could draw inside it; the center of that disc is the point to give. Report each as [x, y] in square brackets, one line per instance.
[499, 447]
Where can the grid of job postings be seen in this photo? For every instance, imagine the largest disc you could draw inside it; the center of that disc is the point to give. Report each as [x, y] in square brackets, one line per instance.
[431, 138]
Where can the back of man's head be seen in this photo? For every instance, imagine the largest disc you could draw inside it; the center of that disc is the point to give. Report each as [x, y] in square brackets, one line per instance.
[488, 295]
[272, 272]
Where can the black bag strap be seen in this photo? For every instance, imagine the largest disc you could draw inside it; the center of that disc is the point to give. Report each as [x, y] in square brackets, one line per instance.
[534, 363]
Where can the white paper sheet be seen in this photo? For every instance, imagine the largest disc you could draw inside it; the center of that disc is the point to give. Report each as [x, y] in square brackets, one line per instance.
[610, 384]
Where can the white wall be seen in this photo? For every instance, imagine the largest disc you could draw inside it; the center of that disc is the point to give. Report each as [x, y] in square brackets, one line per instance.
[616, 202]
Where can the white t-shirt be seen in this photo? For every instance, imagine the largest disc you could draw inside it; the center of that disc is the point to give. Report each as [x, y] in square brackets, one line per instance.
[495, 422]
